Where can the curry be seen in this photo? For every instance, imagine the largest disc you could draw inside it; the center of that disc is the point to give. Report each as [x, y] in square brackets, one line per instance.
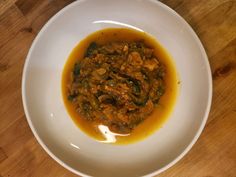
[119, 85]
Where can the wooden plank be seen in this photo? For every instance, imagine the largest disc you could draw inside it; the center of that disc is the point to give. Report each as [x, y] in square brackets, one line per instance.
[3, 155]
[51, 168]
[12, 55]
[18, 134]
[23, 162]
[40, 12]
[11, 22]
[218, 27]
[193, 11]
[28, 6]
[223, 65]
[5, 4]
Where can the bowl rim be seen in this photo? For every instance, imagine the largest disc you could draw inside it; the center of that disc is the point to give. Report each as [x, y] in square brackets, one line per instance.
[158, 171]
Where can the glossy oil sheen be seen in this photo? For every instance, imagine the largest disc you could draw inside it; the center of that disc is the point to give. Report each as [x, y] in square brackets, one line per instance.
[162, 110]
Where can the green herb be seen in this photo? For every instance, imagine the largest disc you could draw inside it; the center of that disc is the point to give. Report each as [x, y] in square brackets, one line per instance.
[71, 97]
[76, 71]
[160, 90]
[90, 49]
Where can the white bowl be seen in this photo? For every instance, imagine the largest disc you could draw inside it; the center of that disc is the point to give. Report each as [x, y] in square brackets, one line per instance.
[55, 130]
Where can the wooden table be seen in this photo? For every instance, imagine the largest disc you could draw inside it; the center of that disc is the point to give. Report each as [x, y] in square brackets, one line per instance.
[214, 154]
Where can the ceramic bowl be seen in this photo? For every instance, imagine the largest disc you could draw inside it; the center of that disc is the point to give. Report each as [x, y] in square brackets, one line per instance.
[55, 130]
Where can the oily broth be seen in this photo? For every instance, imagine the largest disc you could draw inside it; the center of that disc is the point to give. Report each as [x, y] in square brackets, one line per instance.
[161, 111]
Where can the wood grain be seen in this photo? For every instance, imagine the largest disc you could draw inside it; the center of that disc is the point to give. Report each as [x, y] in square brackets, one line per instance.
[214, 154]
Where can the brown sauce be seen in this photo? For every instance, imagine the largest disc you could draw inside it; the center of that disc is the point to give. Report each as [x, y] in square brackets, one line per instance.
[154, 119]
